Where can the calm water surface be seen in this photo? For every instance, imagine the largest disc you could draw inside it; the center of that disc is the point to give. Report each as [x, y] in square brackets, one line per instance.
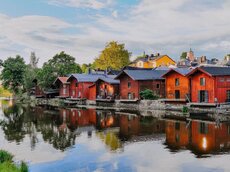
[70, 140]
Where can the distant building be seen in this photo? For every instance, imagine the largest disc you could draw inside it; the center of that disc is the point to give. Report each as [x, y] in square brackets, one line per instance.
[153, 61]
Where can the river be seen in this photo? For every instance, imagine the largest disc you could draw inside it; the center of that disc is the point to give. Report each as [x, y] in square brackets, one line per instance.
[70, 140]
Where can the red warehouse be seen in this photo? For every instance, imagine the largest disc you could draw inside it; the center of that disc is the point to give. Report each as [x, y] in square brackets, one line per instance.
[63, 86]
[210, 84]
[177, 85]
[132, 82]
[104, 88]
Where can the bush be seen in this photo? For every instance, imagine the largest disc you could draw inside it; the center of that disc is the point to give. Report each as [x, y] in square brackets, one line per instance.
[7, 165]
[5, 156]
[23, 167]
[148, 95]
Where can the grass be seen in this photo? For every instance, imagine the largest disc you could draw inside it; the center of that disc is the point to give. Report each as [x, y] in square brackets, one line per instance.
[7, 164]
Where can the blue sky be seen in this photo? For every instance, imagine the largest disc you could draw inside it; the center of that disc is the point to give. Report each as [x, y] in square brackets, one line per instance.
[83, 27]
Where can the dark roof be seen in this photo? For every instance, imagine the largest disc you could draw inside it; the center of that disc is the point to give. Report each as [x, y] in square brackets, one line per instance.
[113, 72]
[212, 70]
[216, 71]
[95, 77]
[135, 68]
[143, 74]
[109, 80]
[86, 77]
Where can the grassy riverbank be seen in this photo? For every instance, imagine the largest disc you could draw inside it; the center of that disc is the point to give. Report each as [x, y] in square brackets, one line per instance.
[7, 164]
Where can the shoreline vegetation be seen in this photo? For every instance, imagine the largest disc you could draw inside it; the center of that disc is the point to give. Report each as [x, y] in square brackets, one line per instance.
[5, 93]
[8, 165]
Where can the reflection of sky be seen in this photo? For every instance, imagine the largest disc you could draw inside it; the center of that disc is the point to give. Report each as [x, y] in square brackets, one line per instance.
[91, 154]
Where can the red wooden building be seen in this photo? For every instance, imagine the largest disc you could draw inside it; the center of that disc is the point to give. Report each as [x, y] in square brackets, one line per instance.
[104, 88]
[210, 84]
[63, 86]
[132, 82]
[177, 85]
[80, 83]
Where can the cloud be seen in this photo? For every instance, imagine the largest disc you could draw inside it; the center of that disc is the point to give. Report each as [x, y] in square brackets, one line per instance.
[94, 4]
[168, 27]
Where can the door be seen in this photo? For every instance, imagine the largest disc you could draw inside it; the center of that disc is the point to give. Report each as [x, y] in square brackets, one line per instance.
[203, 96]
[177, 94]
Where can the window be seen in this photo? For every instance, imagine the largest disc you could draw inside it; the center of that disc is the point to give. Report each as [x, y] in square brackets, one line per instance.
[76, 84]
[221, 79]
[158, 86]
[228, 79]
[203, 128]
[129, 84]
[177, 82]
[202, 81]
[64, 86]
[228, 96]
[229, 129]
[64, 91]
[177, 126]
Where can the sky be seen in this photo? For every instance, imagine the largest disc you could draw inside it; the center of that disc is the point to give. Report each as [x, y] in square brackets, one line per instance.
[82, 28]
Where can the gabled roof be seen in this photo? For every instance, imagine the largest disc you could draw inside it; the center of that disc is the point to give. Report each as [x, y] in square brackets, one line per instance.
[212, 70]
[63, 80]
[86, 77]
[182, 71]
[143, 74]
[109, 80]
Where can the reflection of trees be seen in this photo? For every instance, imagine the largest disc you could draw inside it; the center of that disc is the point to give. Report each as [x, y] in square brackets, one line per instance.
[110, 139]
[19, 122]
[12, 125]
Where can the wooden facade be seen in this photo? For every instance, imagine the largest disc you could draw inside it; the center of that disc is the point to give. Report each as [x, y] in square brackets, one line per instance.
[210, 84]
[177, 85]
[130, 88]
[63, 86]
[103, 90]
[79, 89]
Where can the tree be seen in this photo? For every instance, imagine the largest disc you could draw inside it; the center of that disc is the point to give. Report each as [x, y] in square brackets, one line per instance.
[85, 67]
[33, 60]
[12, 73]
[183, 55]
[30, 72]
[60, 65]
[114, 55]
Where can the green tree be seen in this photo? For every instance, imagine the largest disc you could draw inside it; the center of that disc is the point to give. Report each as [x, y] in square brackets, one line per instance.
[31, 71]
[114, 55]
[60, 65]
[183, 55]
[148, 94]
[85, 67]
[12, 73]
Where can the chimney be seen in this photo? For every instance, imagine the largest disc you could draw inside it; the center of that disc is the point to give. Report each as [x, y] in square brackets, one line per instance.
[157, 54]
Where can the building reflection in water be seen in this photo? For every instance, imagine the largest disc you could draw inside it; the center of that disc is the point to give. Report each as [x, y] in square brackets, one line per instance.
[202, 137]
[61, 128]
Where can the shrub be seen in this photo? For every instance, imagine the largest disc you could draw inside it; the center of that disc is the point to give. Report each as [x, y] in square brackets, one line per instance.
[5, 156]
[7, 165]
[148, 95]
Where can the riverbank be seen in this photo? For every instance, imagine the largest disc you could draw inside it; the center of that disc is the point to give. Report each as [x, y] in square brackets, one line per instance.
[147, 106]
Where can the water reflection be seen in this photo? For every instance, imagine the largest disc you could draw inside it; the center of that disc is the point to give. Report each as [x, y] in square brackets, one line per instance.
[44, 134]
[201, 137]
